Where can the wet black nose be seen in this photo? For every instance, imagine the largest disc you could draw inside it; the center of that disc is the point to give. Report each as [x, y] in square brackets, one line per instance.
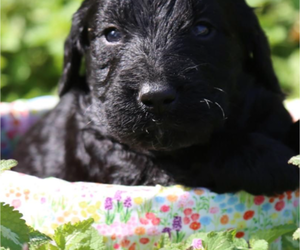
[157, 99]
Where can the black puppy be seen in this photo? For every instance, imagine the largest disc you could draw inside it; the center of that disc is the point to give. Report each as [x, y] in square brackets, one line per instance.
[173, 91]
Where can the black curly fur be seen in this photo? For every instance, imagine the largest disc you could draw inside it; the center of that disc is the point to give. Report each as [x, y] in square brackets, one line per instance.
[225, 130]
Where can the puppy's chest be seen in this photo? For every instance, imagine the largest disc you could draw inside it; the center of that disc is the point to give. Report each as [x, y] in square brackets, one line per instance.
[117, 164]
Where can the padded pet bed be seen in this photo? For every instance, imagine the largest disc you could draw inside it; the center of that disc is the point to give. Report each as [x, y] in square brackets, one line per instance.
[130, 217]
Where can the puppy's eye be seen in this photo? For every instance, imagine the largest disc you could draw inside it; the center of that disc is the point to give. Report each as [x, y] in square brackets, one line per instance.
[113, 35]
[201, 30]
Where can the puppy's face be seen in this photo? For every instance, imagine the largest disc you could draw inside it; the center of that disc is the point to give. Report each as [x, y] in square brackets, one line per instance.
[161, 74]
[160, 71]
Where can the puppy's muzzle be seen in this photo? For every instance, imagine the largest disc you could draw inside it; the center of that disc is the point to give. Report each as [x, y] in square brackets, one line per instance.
[157, 98]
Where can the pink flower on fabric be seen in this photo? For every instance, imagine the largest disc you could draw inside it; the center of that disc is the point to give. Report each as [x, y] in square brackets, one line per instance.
[185, 195]
[195, 217]
[16, 203]
[165, 208]
[191, 203]
[187, 211]
[214, 210]
[155, 221]
[153, 231]
[296, 203]
[43, 200]
[144, 221]
[150, 216]
[185, 201]
[186, 220]
[258, 200]
[279, 205]
[118, 195]
[197, 244]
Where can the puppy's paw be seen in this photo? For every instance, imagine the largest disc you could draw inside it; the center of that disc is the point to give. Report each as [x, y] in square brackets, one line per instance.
[276, 181]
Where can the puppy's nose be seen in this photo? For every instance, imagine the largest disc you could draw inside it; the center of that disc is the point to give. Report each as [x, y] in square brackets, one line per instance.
[157, 98]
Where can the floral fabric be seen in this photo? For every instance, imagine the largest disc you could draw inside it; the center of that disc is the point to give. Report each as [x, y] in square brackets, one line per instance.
[135, 217]
[17, 117]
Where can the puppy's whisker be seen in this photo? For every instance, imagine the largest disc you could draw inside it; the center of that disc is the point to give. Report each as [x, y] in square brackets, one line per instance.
[191, 68]
[207, 102]
[221, 90]
[223, 113]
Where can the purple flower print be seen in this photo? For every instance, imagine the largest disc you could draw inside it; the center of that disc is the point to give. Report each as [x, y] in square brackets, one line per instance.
[110, 216]
[127, 202]
[125, 215]
[118, 196]
[167, 230]
[177, 223]
[108, 203]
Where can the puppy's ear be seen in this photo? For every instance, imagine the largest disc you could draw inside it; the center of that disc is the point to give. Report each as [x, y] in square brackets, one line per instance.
[258, 51]
[74, 51]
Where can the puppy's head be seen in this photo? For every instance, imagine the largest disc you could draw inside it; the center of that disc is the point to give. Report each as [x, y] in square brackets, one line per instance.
[161, 74]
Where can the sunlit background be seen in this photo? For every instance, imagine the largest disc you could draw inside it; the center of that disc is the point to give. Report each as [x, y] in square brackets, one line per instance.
[33, 32]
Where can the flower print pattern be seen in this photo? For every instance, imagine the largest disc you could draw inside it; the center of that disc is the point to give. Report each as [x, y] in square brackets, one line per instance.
[220, 198]
[199, 191]
[214, 210]
[144, 240]
[296, 203]
[222, 205]
[248, 215]
[205, 220]
[197, 244]
[240, 207]
[153, 231]
[134, 218]
[287, 213]
[118, 196]
[258, 200]
[138, 200]
[108, 204]
[177, 223]
[195, 217]
[185, 201]
[187, 211]
[279, 205]
[224, 219]
[266, 207]
[165, 208]
[150, 216]
[195, 225]
[172, 198]
[140, 231]
[127, 202]
[186, 220]
[160, 199]
[167, 230]
[239, 234]
[229, 210]
[232, 200]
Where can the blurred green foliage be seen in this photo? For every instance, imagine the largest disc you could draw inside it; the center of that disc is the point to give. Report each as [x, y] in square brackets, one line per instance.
[33, 33]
